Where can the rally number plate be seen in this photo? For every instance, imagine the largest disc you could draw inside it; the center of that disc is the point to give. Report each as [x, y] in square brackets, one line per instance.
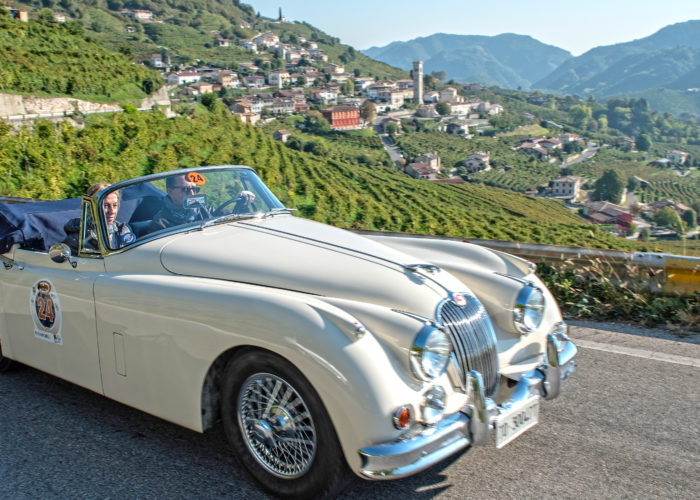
[516, 420]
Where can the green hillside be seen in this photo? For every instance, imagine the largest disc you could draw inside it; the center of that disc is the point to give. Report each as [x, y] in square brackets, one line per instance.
[187, 32]
[46, 58]
[55, 161]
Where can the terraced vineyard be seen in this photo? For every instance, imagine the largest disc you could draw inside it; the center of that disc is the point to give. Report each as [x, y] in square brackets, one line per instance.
[526, 174]
[663, 182]
[60, 161]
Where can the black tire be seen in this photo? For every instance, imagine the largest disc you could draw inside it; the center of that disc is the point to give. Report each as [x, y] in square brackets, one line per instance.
[293, 424]
[5, 364]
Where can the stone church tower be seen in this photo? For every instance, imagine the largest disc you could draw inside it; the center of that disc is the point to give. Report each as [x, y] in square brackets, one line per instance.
[418, 81]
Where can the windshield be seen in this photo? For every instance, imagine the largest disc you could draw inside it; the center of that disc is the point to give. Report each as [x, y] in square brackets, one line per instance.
[158, 204]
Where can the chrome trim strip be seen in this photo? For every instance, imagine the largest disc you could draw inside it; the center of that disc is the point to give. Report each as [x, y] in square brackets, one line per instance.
[8, 263]
[410, 267]
[403, 458]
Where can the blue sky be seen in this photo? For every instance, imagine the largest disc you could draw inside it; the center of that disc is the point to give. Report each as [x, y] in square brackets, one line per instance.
[573, 26]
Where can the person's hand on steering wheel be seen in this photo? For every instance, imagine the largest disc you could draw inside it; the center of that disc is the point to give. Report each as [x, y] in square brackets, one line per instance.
[245, 197]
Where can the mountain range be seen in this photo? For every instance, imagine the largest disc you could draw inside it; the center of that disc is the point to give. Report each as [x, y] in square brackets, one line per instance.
[506, 60]
[666, 64]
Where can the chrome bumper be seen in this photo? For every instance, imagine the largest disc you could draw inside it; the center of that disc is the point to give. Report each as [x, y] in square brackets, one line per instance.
[471, 426]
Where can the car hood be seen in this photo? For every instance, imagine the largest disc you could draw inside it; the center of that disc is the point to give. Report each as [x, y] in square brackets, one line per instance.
[295, 254]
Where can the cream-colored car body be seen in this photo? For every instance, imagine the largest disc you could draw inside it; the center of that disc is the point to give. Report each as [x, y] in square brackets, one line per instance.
[148, 326]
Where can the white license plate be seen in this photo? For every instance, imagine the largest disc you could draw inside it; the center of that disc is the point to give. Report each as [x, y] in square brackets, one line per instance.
[516, 420]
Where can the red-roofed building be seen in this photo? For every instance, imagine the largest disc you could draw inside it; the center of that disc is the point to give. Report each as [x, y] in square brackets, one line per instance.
[342, 117]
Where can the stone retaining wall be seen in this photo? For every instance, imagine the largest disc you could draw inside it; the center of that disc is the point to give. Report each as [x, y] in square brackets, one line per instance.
[18, 106]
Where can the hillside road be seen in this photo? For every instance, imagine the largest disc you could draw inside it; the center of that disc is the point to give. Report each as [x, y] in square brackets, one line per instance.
[625, 426]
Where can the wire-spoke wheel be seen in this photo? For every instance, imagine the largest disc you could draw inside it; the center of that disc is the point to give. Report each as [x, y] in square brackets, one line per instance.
[279, 428]
[276, 425]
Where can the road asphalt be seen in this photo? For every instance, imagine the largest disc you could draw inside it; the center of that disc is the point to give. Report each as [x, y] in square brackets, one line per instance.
[625, 426]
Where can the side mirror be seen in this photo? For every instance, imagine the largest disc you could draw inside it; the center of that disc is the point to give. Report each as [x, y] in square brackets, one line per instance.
[60, 252]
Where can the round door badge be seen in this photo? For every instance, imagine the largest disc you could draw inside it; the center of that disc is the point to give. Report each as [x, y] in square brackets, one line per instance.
[46, 312]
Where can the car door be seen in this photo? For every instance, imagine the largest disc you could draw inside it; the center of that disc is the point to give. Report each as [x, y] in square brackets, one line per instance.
[49, 315]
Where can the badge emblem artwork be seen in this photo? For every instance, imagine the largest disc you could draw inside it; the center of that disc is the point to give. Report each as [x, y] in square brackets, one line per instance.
[46, 312]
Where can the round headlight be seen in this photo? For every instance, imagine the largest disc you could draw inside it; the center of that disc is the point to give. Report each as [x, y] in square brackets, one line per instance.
[430, 353]
[529, 309]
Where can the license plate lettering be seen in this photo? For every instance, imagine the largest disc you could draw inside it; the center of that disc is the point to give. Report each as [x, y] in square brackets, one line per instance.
[515, 421]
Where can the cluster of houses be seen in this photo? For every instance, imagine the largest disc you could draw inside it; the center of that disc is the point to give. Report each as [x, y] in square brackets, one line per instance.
[292, 54]
[543, 147]
[673, 159]
[140, 15]
[606, 213]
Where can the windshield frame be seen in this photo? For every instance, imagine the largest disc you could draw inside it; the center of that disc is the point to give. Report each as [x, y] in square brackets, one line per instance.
[106, 250]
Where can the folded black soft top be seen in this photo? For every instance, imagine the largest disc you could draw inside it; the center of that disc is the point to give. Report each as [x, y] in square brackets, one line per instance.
[38, 225]
[35, 226]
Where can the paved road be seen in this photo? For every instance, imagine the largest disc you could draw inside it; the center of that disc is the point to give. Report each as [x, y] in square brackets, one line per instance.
[585, 155]
[625, 427]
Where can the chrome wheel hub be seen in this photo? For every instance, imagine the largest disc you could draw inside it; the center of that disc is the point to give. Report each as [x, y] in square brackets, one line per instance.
[276, 425]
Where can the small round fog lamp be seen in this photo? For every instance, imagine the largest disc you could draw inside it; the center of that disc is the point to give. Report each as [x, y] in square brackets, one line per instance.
[402, 418]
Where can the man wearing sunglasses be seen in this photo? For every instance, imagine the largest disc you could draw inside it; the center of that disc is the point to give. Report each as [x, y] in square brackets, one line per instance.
[173, 211]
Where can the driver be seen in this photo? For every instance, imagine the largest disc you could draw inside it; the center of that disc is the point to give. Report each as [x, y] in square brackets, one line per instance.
[173, 212]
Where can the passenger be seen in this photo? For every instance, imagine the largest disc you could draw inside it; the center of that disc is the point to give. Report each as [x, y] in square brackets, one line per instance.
[173, 212]
[119, 234]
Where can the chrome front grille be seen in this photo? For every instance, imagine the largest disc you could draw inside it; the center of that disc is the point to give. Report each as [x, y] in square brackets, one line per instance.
[473, 339]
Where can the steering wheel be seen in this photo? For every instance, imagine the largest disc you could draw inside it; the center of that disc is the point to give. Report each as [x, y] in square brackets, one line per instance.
[240, 206]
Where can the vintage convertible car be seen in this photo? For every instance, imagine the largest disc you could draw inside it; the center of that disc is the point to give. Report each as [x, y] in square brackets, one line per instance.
[322, 351]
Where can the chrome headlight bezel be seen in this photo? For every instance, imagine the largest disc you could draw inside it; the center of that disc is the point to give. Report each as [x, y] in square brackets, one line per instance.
[528, 311]
[430, 353]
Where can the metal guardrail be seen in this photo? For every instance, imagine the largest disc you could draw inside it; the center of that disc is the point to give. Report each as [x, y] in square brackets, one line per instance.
[680, 274]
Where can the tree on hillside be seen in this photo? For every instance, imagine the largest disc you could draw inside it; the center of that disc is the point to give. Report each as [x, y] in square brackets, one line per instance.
[429, 82]
[442, 108]
[208, 100]
[633, 183]
[690, 217]
[368, 111]
[315, 123]
[440, 75]
[643, 142]
[392, 129]
[572, 147]
[668, 217]
[348, 87]
[644, 234]
[580, 115]
[609, 187]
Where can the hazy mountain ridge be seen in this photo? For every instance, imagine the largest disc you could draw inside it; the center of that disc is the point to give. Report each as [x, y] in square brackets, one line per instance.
[663, 65]
[654, 61]
[507, 60]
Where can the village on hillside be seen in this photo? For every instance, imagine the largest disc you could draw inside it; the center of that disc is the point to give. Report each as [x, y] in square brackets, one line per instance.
[289, 78]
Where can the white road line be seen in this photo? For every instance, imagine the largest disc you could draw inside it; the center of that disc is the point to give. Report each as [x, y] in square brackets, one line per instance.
[639, 353]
